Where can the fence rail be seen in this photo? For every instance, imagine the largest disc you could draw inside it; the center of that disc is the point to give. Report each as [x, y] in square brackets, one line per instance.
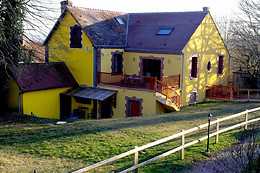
[182, 147]
[249, 94]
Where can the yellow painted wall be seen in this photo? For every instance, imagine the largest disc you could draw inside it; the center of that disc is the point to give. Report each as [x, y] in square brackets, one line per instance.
[106, 59]
[44, 103]
[171, 63]
[13, 95]
[76, 105]
[207, 43]
[79, 61]
[131, 60]
[150, 105]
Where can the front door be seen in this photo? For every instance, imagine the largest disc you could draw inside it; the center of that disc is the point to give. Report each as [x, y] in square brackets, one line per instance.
[65, 106]
[152, 68]
[106, 108]
[134, 108]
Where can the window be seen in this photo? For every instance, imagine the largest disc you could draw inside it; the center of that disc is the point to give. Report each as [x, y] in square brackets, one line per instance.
[117, 66]
[152, 68]
[193, 98]
[75, 37]
[165, 31]
[220, 64]
[194, 67]
[209, 66]
[119, 20]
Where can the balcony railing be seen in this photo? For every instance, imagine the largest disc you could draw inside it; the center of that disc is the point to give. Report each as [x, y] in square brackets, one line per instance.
[222, 92]
[124, 80]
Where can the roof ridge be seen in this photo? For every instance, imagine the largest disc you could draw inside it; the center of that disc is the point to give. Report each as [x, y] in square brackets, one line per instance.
[96, 9]
[170, 12]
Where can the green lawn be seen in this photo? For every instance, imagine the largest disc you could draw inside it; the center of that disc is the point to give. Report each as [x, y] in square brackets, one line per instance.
[28, 143]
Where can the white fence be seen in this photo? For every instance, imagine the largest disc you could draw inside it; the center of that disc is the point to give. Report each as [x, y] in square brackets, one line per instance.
[181, 148]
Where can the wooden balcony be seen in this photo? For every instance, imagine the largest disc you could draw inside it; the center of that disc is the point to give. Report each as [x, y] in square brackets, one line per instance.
[143, 82]
[131, 81]
[222, 92]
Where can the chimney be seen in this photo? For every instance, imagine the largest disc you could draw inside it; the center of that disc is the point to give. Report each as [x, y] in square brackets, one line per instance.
[63, 4]
[206, 8]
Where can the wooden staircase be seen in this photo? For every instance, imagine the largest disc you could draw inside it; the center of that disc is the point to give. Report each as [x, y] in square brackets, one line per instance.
[167, 96]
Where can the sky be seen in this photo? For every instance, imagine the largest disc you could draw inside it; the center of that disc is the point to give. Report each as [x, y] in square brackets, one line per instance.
[217, 7]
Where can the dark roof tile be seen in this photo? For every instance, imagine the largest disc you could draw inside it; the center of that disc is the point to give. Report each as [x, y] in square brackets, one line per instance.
[40, 76]
[101, 26]
[144, 26]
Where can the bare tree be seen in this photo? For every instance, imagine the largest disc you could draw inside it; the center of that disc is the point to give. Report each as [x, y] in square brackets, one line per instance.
[245, 39]
[22, 20]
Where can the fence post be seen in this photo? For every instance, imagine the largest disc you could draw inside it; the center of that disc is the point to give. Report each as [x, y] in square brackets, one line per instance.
[182, 144]
[136, 160]
[217, 129]
[246, 119]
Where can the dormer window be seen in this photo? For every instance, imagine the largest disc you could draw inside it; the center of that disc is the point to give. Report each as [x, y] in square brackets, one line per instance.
[119, 20]
[164, 31]
[75, 37]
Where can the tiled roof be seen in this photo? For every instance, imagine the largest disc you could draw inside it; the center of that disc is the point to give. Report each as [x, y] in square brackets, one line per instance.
[143, 30]
[41, 76]
[38, 49]
[101, 26]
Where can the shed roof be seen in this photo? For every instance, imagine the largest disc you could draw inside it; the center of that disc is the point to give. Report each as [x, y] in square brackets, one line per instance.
[91, 93]
[41, 76]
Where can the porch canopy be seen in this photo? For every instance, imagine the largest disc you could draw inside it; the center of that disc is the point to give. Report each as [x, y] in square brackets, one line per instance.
[86, 92]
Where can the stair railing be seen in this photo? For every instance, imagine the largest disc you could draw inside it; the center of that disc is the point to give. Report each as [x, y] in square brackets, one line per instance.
[168, 92]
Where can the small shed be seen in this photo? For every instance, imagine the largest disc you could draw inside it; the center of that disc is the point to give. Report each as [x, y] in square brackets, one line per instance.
[243, 80]
[35, 88]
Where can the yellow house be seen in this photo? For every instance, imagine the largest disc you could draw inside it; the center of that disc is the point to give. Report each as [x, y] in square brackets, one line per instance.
[133, 64]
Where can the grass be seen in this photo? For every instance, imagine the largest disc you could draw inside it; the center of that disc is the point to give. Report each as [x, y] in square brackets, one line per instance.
[29, 143]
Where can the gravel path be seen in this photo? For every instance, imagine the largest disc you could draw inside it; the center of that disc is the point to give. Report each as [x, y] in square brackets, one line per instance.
[233, 160]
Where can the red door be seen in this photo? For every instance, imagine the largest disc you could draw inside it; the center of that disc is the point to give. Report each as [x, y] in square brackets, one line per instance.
[134, 108]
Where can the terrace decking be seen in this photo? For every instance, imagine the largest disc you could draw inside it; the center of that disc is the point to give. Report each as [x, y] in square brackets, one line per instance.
[221, 92]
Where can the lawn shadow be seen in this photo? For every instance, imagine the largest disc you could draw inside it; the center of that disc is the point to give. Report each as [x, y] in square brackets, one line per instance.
[84, 127]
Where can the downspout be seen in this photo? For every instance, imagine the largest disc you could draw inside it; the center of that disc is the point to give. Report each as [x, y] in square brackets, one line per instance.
[127, 29]
[182, 78]
[229, 70]
[94, 66]
[19, 107]
[95, 77]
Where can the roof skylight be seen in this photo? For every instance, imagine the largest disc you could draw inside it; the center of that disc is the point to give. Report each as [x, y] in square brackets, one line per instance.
[119, 20]
[164, 31]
